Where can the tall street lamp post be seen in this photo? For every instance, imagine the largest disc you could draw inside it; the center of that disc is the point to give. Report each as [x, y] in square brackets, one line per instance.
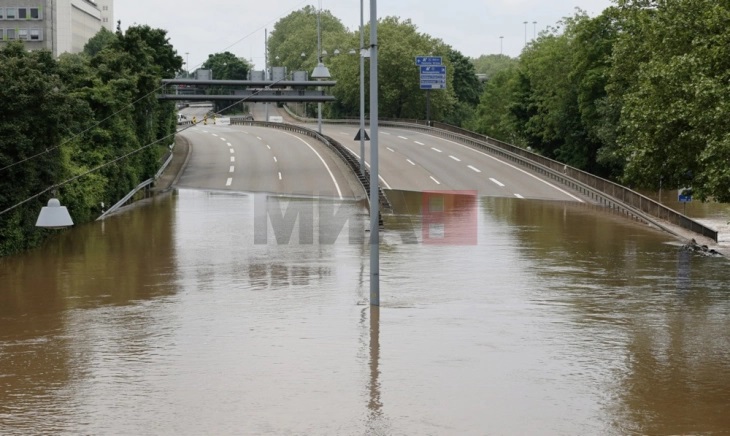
[374, 197]
[320, 71]
[362, 88]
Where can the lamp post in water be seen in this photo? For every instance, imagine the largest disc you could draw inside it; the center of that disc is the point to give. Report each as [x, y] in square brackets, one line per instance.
[374, 206]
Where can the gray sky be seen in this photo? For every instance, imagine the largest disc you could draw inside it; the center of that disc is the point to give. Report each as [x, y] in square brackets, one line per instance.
[470, 26]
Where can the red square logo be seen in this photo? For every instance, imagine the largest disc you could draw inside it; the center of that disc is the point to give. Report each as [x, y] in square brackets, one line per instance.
[449, 217]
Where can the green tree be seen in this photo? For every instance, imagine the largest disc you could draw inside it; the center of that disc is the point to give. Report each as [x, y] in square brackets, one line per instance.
[103, 39]
[33, 117]
[674, 122]
[493, 114]
[297, 33]
[491, 65]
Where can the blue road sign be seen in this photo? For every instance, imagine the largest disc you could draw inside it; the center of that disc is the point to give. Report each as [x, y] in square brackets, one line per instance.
[684, 195]
[428, 60]
[433, 77]
[433, 70]
[433, 85]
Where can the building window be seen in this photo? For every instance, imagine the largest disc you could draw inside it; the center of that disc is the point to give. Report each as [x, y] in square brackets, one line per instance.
[23, 13]
[35, 13]
[23, 34]
[2, 13]
[10, 34]
[2, 34]
[105, 8]
[10, 13]
[35, 34]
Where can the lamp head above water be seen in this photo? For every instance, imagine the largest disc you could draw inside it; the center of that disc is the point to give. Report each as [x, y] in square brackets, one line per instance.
[54, 216]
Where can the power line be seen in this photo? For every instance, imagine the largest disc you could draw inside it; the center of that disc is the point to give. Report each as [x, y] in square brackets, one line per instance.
[124, 156]
[48, 150]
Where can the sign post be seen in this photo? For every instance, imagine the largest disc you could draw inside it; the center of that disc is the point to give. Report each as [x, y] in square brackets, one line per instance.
[432, 76]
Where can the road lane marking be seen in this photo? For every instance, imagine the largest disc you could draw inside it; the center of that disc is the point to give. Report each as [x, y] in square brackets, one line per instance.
[230, 145]
[390, 149]
[230, 170]
[229, 181]
[410, 161]
[455, 158]
[474, 169]
[215, 135]
[259, 138]
[497, 182]
[223, 139]
[233, 159]
[385, 133]
[519, 196]
[268, 146]
[275, 159]
[436, 149]
[511, 166]
[332, 176]
[280, 177]
[437, 182]
[231, 150]
[402, 137]
[419, 143]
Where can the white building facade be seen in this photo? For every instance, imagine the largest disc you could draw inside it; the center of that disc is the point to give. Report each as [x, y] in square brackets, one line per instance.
[61, 26]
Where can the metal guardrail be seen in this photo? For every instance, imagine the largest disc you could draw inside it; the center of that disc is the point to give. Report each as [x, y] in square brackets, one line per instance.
[139, 187]
[610, 194]
[351, 160]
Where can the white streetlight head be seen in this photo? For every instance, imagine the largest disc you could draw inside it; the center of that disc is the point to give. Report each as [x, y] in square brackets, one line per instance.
[337, 51]
[54, 216]
[365, 52]
[324, 53]
[304, 55]
[352, 51]
[321, 72]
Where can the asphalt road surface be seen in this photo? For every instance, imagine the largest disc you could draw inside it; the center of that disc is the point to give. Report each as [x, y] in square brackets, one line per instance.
[258, 159]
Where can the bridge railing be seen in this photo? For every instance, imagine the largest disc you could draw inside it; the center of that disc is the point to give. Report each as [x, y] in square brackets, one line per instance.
[604, 191]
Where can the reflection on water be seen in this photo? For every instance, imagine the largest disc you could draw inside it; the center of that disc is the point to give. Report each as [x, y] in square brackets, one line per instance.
[229, 314]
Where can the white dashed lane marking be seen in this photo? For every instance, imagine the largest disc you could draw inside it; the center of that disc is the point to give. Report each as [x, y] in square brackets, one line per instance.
[419, 143]
[229, 181]
[410, 161]
[436, 149]
[455, 158]
[437, 182]
[474, 169]
[519, 196]
[497, 182]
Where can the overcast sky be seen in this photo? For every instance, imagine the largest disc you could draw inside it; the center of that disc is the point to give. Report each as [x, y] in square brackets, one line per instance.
[471, 26]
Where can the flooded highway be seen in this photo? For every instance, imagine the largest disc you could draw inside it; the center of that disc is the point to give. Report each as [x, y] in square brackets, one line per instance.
[218, 313]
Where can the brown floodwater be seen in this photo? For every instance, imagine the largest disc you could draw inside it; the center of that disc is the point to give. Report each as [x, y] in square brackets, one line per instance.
[219, 313]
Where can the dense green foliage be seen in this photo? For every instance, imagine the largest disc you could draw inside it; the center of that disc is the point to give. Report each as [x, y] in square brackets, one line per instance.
[399, 42]
[86, 110]
[638, 94]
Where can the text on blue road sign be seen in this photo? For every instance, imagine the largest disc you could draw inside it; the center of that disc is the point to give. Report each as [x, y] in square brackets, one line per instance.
[428, 60]
[433, 70]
